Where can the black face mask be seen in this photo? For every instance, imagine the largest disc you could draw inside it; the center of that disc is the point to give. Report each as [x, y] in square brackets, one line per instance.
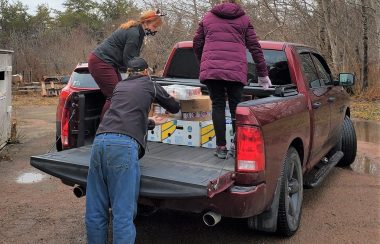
[149, 32]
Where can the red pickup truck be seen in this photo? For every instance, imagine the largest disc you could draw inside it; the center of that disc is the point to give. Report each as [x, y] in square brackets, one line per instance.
[288, 137]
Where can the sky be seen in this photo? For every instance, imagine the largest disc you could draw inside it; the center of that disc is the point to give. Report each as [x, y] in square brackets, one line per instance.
[32, 4]
[54, 4]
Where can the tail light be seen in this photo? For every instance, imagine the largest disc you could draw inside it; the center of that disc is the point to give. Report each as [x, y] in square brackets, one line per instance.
[65, 120]
[250, 149]
[65, 127]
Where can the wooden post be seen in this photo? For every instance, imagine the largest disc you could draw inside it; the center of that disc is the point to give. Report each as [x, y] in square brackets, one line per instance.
[43, 89]
[13, 138]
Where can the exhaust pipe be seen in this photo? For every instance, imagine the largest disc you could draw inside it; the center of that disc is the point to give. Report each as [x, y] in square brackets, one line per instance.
[211, 218]
[79, 191]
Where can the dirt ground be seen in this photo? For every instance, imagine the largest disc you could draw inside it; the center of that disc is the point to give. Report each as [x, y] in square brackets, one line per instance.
[344, 209]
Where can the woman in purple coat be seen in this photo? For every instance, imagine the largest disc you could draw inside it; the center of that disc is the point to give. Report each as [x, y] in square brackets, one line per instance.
[220, 44]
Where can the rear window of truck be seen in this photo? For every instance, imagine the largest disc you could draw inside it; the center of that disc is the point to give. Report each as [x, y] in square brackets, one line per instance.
[83, 79]
[184, 64]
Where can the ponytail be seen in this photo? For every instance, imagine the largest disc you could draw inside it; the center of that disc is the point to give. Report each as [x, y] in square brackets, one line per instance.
[147, 16]
[129, 24]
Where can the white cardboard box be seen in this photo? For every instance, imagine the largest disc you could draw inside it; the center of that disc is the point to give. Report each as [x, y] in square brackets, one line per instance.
[186, 133]
[209, 138]
[155, 134]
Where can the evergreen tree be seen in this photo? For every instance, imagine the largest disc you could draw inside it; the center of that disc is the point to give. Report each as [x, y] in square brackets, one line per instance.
[117, 9]
[79, 13]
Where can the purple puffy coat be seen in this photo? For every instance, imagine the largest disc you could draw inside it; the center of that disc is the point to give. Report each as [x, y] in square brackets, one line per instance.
[220, 44]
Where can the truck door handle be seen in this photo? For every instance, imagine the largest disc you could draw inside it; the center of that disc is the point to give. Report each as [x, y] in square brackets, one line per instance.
[331, 99]
[316, 105]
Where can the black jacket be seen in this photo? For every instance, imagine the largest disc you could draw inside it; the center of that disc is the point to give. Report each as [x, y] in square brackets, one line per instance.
[121, 46]
[130, 105]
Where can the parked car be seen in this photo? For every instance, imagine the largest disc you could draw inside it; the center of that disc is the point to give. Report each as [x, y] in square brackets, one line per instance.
[288, 137]
[80, 80]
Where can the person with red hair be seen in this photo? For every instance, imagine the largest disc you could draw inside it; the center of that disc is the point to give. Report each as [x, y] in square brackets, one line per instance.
[113, 54]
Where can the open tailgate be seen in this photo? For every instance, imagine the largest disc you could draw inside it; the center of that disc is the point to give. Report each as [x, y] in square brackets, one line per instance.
[167, 171]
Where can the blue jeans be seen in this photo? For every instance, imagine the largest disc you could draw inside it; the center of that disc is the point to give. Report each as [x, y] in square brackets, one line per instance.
[113, 181]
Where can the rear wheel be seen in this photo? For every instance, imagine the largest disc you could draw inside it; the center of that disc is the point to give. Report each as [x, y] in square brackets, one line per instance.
[291, 195]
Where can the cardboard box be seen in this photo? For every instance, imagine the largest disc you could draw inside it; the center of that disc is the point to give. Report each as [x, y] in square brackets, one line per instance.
[208, 134]
[208, 138]
[155, 134]
[196, 116]
[227, 113]
[157, 110]
[229, 135]
[186, 133]
[197, 104]
[162, 131]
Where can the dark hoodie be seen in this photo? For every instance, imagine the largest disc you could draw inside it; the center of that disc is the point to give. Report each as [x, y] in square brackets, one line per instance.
[220, 44]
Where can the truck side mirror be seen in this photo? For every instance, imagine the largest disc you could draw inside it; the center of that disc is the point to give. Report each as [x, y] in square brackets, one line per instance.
[346, 79]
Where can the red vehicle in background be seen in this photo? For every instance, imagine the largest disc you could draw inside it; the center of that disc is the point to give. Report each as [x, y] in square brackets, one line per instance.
[80, 80]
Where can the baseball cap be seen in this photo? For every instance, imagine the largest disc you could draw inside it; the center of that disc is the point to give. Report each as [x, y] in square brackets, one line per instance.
[137, 64]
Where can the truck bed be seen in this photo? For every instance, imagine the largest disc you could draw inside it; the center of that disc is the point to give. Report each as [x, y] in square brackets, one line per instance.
[167, 171]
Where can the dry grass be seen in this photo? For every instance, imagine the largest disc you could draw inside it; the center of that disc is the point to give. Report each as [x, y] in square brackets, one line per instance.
[368, 110]
[371, 94]
[366, 105]
[5, 155]
[33, 99]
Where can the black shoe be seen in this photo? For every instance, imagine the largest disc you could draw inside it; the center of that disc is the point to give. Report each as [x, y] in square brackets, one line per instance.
[221, 152]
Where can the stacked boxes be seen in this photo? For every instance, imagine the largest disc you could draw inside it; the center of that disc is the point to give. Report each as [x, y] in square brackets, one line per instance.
[193, 125]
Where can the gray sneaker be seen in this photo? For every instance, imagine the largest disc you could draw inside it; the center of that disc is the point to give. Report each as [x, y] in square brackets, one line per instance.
[221, 152]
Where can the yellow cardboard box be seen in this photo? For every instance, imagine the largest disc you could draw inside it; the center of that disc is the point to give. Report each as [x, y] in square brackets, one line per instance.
[208, 138]
[162, 131]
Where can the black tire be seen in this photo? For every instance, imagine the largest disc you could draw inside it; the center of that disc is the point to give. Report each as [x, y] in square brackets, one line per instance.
[348, 143]
[291, 195]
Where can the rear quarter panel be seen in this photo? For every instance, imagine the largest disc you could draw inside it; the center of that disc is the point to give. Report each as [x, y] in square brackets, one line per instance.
[282, 121]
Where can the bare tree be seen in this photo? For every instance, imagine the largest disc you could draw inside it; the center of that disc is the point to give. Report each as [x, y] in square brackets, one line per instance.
[347, 32]
[365, 44]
